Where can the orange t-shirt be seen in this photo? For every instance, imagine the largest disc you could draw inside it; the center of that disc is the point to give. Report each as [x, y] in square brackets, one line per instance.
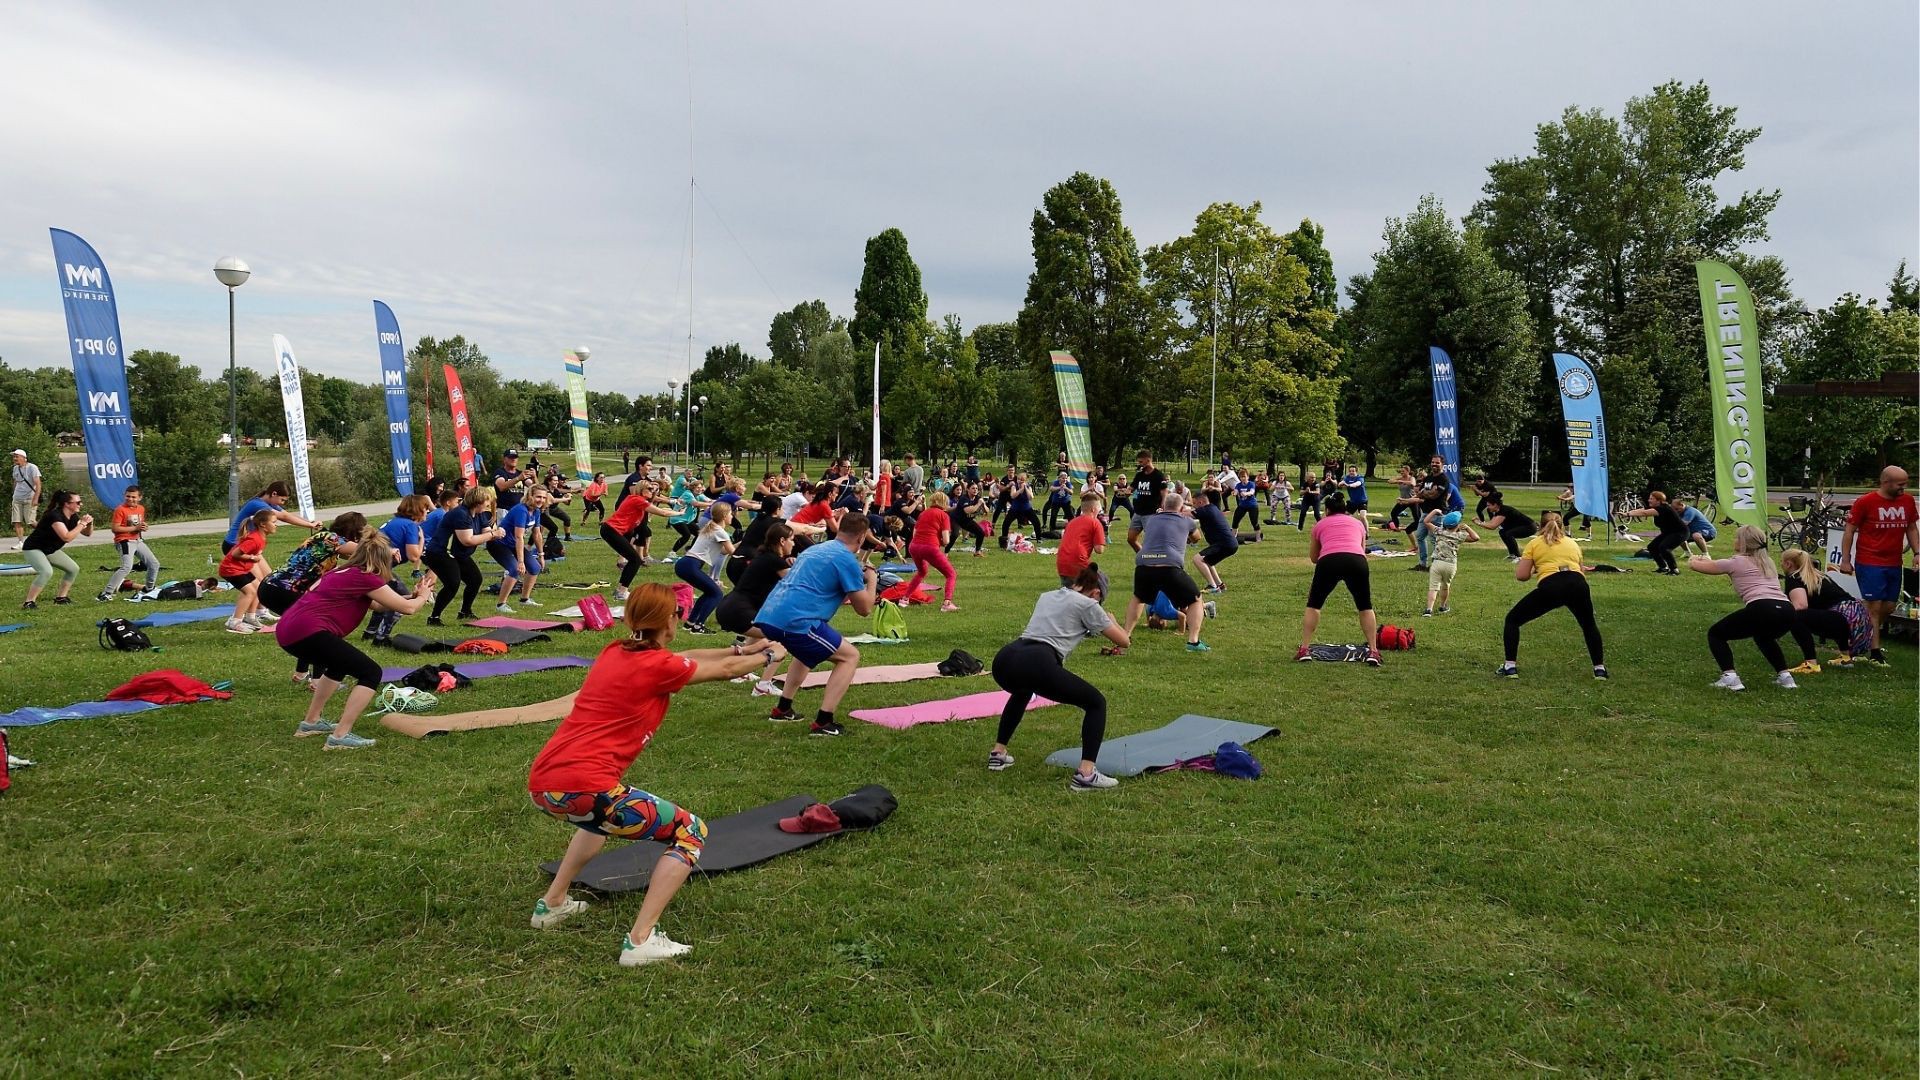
[618, 709]
[129, 521]
[1082, 535]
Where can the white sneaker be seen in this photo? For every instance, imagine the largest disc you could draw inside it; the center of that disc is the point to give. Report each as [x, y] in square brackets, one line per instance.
[1730, 681]
[504, 609]
[658, 946]
[1098, 781]
[1784, 681]
[241, 626]
[546, 918]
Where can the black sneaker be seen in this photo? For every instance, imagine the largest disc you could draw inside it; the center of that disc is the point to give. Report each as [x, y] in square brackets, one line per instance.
[63, 599]
[1418, 568]
[1507, 671]
[782, 716]
[831, 727]
[103, 596]
[465, 615]
[1600, 671]
[30, 605]
[695, 628]
[434, 620]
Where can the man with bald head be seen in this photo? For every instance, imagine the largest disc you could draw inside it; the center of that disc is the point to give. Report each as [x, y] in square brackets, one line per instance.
[1881, 526]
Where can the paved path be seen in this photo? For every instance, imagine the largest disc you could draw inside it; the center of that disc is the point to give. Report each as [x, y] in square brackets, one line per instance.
[376, 512]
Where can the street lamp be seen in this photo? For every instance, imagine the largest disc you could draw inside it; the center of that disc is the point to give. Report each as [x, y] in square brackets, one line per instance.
[703, 424]
[232, 273]
[673, 391]
[693, 410]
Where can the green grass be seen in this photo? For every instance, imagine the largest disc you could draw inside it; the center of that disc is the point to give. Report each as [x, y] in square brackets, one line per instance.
[1440, 872]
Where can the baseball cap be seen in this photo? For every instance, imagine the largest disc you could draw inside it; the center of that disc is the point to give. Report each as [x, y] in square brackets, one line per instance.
[511, 454]
[1450, 519]
[816, 818]
[19, 453]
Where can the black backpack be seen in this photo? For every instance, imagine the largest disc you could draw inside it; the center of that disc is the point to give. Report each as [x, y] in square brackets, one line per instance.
[124, 636]
[551, 548]
[960, 662]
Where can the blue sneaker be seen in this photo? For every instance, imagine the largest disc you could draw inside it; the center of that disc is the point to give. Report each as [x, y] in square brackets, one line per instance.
[314, 727]
[1198, 646]
[349, 741]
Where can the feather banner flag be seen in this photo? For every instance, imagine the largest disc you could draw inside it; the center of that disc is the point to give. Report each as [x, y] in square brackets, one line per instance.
[1072, 385]
[577, 407]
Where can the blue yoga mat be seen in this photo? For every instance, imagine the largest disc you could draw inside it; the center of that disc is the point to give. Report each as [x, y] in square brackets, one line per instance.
[79, 710]
[896, 568]
[12, 626]
[175, 618]
[15, 568]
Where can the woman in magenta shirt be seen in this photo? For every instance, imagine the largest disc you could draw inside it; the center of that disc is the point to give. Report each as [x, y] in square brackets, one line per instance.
[1338, 551]
[316, 628]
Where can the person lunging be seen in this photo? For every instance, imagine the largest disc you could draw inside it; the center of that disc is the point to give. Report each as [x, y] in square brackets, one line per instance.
[1035, 664]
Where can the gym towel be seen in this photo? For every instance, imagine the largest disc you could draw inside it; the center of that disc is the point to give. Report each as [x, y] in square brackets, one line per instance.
[507, 622]
[487, 669]
[1188, 737]
[421, 726]
[734, 842]
[175, 618]
[969, 707]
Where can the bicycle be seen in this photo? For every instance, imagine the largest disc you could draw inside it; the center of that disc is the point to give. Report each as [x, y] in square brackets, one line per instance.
[1627, 501]
[1808, 531]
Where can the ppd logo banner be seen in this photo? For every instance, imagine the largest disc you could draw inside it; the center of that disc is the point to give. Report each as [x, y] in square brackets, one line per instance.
[99, 370]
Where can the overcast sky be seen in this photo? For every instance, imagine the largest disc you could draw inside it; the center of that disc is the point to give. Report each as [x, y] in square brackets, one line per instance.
[518, 173]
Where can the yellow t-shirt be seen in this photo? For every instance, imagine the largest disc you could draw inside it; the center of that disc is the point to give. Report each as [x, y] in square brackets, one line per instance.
[1552, 558]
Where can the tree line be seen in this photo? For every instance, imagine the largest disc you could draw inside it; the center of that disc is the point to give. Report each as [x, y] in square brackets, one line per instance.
[1231, 336]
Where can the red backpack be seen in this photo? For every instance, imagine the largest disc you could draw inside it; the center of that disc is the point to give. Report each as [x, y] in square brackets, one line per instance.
[1395, 639]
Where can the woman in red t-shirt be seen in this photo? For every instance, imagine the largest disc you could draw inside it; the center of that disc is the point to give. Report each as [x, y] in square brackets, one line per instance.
[928, 547]
[577, 775]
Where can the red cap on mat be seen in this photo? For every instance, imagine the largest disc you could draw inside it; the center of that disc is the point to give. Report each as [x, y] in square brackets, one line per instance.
[818, 818]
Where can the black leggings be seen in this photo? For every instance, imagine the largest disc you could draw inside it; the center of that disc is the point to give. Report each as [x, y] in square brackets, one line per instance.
[332, 658]
[1309, 502]
[590, 507]
[1244, 510]
[1341, 567]
[1056, 509]
[1563, 589]
[464, 572]
[1017, 515]
[735, 613]
[552, 514]
[966, 522]
[1662, 550]
[687, 530]
[1027, 667]
[1508, 536]
[625, 550]
[1765, 621]
[1815, 623]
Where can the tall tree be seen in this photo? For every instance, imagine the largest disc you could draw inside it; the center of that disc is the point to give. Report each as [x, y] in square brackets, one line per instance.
[1844, 437]
[1086, 296]
[889, 308]
[837, 417]
[1308, 243]
[1434, 283]
[166, 393]
[940, 398]
[794, 331]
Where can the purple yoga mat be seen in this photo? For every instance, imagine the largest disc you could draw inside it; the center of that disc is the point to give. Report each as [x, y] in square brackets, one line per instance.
[487, 669]
[970, 707]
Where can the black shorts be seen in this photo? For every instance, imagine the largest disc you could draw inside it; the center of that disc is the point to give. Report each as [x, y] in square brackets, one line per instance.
[238, 581]
[1338, 568]
[332, 658]
[279, 598]
[1148, 581]
[1215, 554]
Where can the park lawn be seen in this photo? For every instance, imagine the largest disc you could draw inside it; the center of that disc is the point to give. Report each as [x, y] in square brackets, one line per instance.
[1439, 872]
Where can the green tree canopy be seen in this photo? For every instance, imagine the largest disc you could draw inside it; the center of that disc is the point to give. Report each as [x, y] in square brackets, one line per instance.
[794, 331]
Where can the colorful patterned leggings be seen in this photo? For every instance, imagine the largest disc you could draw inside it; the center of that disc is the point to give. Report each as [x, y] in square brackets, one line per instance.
[629, 814]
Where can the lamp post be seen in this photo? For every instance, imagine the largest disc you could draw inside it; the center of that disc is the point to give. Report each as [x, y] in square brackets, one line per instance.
[692, 411]
[232, 273]
[673, 391]
[703, 425]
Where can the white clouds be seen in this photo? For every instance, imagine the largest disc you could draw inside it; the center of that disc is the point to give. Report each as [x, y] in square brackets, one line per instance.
[517, 173]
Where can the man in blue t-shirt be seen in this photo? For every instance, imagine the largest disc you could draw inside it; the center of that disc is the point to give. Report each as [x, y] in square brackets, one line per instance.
[797, 613]
[506, 482]
[518, 552]
[1356, 487]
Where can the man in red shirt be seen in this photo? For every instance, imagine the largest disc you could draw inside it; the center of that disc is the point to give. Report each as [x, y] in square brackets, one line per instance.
[1884, 523]
[1084, 538]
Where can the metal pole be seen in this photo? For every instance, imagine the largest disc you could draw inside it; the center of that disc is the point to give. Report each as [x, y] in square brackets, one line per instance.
[1213, 381]
[233, 421]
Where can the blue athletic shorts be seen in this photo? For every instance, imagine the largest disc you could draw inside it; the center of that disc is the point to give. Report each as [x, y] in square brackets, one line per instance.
[1878, 582]
[811, 646]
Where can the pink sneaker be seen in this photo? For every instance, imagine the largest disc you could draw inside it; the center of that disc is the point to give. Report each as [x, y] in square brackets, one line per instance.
[949, 606]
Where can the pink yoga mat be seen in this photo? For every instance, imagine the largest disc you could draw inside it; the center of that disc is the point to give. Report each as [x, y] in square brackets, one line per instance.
[886, 673]
[508, 622]
[970, 707]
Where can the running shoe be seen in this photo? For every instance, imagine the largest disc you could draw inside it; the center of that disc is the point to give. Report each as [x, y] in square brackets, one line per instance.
[619, 594]
[782, 716]
[1212, 609]
[658, 946]
[949, 606]
[1198, 646]
[1373, 657]
[1784, 681]
[1099, 781]
[104, 596]
[1513, 558]
[998, 761]
[829, 728]
[527, 601]
[1729, 681]
[349, 741]
[313, 727]
[465, 615]
[1443, 609]
[1600, 671]
[1507, 671]
[1877, 659]
[63, 599]
[1418, 568]
[1427, 614]
[434, 620]
[546, 918]
[504, 609]
[695, 628]
[1806, 667]
[28, 605]
[1214, 590]
[1303, 654]
[241, 626]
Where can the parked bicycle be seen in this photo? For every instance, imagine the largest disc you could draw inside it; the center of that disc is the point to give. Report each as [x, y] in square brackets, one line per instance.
[1806, 521]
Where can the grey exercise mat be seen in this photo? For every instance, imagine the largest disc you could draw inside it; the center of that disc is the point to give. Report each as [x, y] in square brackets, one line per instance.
[734, 842]
[1188, 737]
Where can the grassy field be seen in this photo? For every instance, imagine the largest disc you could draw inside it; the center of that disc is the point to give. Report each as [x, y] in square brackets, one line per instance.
[1440, 872]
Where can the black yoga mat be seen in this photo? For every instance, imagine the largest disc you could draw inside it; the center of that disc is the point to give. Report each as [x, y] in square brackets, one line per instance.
[734, 842]
[505, 635]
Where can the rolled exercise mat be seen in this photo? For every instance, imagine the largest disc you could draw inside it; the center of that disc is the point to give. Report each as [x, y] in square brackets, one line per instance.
[425, 725]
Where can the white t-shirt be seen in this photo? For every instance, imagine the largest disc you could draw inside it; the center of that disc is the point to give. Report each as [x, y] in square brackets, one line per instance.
[791, 503]
[706, 546]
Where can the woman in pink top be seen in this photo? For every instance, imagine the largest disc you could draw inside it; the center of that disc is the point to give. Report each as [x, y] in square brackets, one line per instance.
[1767, 616]
[316, 628]
[590, 497]
[1337, 549]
